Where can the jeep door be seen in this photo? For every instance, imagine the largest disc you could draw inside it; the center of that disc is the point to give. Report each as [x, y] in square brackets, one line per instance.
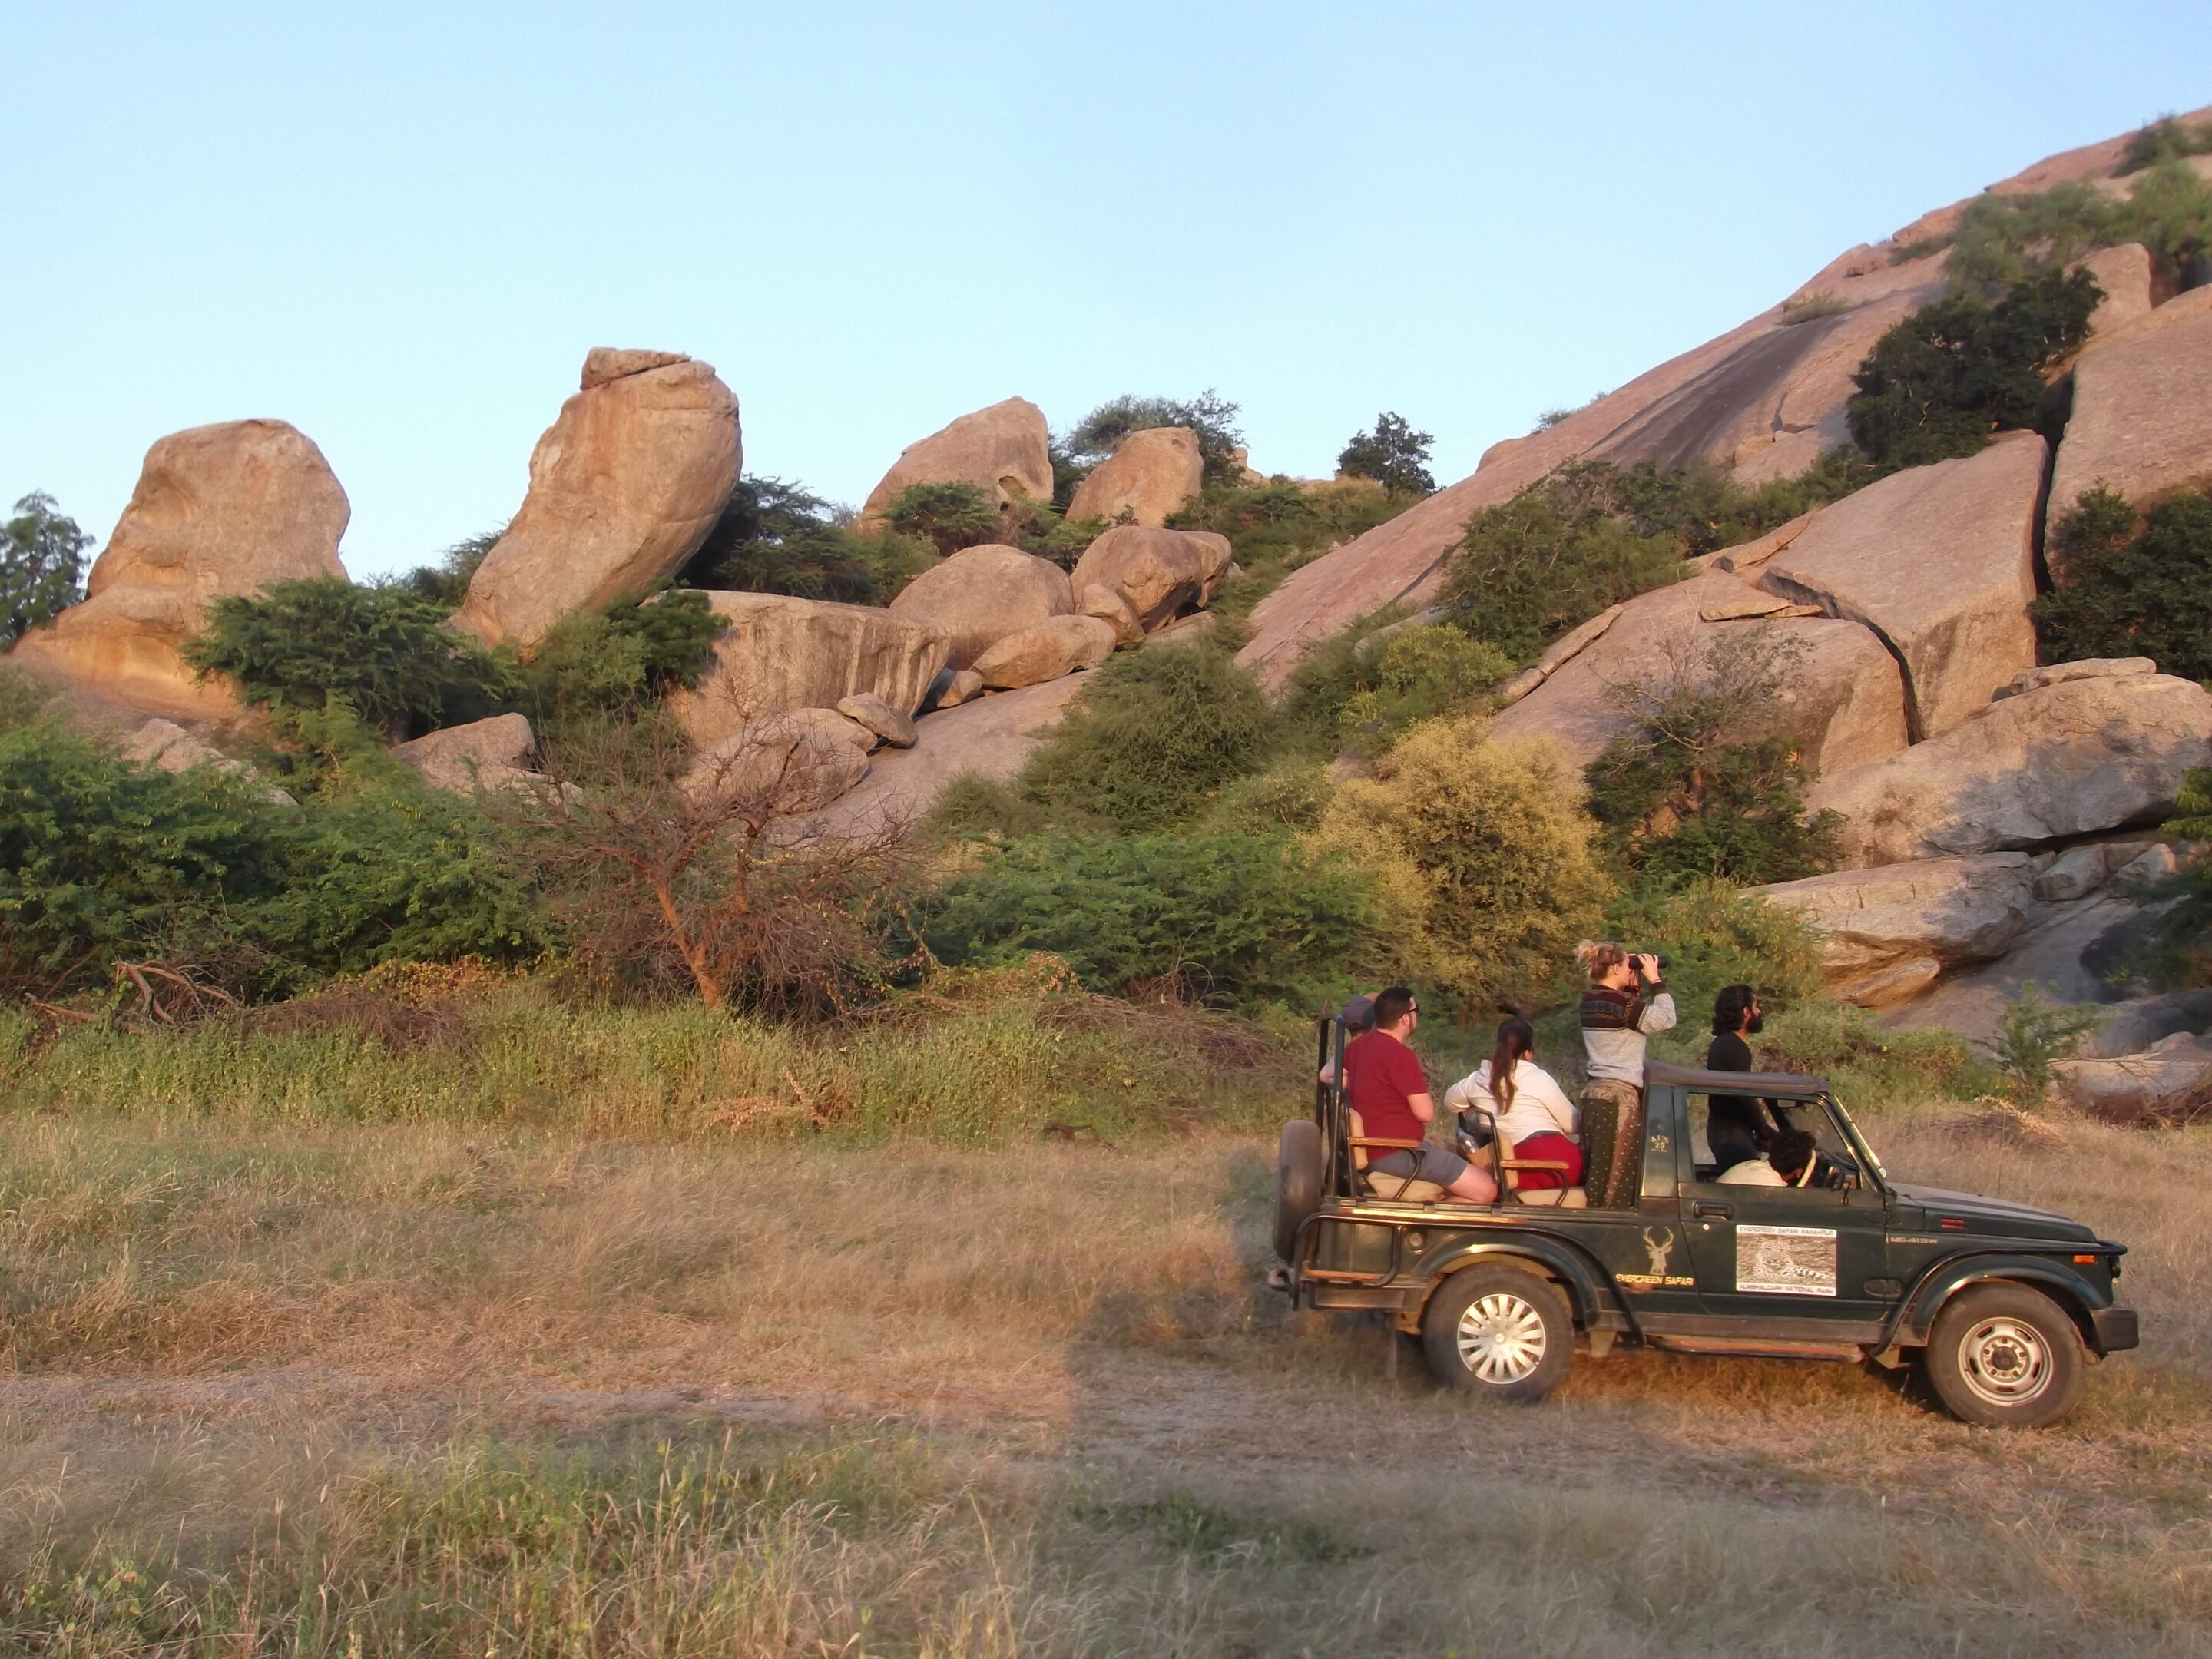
[1789, 1252]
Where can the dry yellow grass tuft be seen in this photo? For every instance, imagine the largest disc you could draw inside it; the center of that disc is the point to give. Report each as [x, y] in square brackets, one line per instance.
[418, 1388]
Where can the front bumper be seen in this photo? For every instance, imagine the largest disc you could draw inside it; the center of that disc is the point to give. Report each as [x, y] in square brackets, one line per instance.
[2116, 1327]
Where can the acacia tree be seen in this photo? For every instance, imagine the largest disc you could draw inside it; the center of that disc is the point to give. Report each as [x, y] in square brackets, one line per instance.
[718, 872]
[1392, 454]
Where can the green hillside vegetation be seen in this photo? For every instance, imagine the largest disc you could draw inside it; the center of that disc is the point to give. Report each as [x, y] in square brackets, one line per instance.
[2131, 585]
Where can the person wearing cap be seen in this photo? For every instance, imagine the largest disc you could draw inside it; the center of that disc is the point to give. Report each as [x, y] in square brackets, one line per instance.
[1357, 1018]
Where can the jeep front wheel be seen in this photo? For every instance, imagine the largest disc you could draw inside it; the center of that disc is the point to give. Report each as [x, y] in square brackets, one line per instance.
[2005, 1356]
[1498, 1332]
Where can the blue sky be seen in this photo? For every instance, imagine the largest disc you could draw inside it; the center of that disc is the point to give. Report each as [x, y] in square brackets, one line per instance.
[400, 227]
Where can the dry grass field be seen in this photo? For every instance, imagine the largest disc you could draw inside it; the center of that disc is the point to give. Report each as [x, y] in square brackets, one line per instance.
[418, 1388]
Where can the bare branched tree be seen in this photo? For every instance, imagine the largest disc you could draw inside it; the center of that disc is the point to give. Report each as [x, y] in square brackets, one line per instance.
[716, 870]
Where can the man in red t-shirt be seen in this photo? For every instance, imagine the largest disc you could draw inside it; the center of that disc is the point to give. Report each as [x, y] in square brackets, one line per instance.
[1391, 1092]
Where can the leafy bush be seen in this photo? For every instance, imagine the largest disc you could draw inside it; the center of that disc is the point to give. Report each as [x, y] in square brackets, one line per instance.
[1155, 735]
[1811, 307]
[1392, 454]
[948, 516]
[1286, 796]
[2003, 240]
[1593, 534]
[1209, 414]
[616, 661]
[1407, 674]
[99, 860]
[1941, 382]
[41, 565]
[384, 651]
[1481, 862]
[775, 537]
[1232, 919]
[2031, 1034]
[1702, 786]
[2130, 586]
[1868, 1062]
[1273, 528]
[447, 581]
[2161, 140]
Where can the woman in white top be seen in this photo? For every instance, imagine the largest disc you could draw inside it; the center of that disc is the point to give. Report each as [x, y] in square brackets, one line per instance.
[1528, 1104]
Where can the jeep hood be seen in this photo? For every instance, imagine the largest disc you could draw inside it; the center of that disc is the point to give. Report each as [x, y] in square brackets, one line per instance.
[1990, 1215]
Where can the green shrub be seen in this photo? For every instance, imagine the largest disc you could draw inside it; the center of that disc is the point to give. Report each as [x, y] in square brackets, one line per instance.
[1155, 735]
[380, 867]
[447, 581]
[1867, 1063]
[775, 537]
[1941, 382]
[2130, 586]
[1291, 795]
[1480, 860]
[2161, 140]
[383, 651]
[2003, 240]
[948, 516]
[1234, 920]
[1392, 454]
[1209, 414]
[1273, 528]
[1529, 570]
[1702, 786]
[1416, 673]
[1811, 307]
[41, 565]
[2032, 1034]
[1592, 534]
[100, 859]
[618, 660]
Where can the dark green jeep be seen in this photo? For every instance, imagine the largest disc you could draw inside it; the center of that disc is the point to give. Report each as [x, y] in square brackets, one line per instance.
[1999, 1302]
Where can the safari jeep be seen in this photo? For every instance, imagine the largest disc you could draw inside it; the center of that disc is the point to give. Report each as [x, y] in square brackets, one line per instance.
[2002, 1305]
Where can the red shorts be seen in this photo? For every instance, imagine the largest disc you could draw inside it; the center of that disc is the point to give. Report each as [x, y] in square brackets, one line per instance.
[1553, 1148]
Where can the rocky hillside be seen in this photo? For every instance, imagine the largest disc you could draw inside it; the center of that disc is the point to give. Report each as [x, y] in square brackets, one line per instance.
[1992, 807]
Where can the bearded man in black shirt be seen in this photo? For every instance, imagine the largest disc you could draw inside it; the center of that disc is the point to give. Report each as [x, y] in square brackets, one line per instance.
[1735, 1129]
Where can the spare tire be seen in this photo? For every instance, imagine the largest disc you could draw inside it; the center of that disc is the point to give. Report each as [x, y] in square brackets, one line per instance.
[1297, 1182]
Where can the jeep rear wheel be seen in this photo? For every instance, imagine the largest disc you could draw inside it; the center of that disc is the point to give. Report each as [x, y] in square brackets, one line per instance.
[2006, 1357]
[1297, 1182]
[1498, 1332]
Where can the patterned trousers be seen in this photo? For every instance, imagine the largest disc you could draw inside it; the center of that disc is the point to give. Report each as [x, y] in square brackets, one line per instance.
[1612, 1142]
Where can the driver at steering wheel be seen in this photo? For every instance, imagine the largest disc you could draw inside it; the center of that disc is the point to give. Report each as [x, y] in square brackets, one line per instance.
[1794, 1162]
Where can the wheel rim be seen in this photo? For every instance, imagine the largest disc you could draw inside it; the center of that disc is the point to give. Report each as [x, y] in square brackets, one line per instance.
[1501, 1338]
[2004, 1361]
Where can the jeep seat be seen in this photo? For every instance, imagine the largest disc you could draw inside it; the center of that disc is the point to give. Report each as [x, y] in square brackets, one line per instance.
[1398, 1189]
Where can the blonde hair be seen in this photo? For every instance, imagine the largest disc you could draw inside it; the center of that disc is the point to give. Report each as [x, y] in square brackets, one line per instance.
[1599, 957]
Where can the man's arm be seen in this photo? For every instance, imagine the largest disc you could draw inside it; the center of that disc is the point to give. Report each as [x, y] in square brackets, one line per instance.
[1423, 1108]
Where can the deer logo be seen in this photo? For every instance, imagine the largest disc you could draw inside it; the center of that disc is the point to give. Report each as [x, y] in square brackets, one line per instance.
[1659, 1244]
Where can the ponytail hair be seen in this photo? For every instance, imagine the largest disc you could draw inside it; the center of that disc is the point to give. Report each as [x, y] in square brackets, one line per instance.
[1517, 1038]
[1600, 957]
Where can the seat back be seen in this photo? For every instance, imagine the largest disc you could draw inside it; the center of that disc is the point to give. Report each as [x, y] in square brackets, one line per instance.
[1403, 1189]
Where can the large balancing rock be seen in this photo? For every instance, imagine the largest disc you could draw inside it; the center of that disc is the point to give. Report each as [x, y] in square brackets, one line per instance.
[1005, 451]
[623, 488]
[219, 510]
[778, 654]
